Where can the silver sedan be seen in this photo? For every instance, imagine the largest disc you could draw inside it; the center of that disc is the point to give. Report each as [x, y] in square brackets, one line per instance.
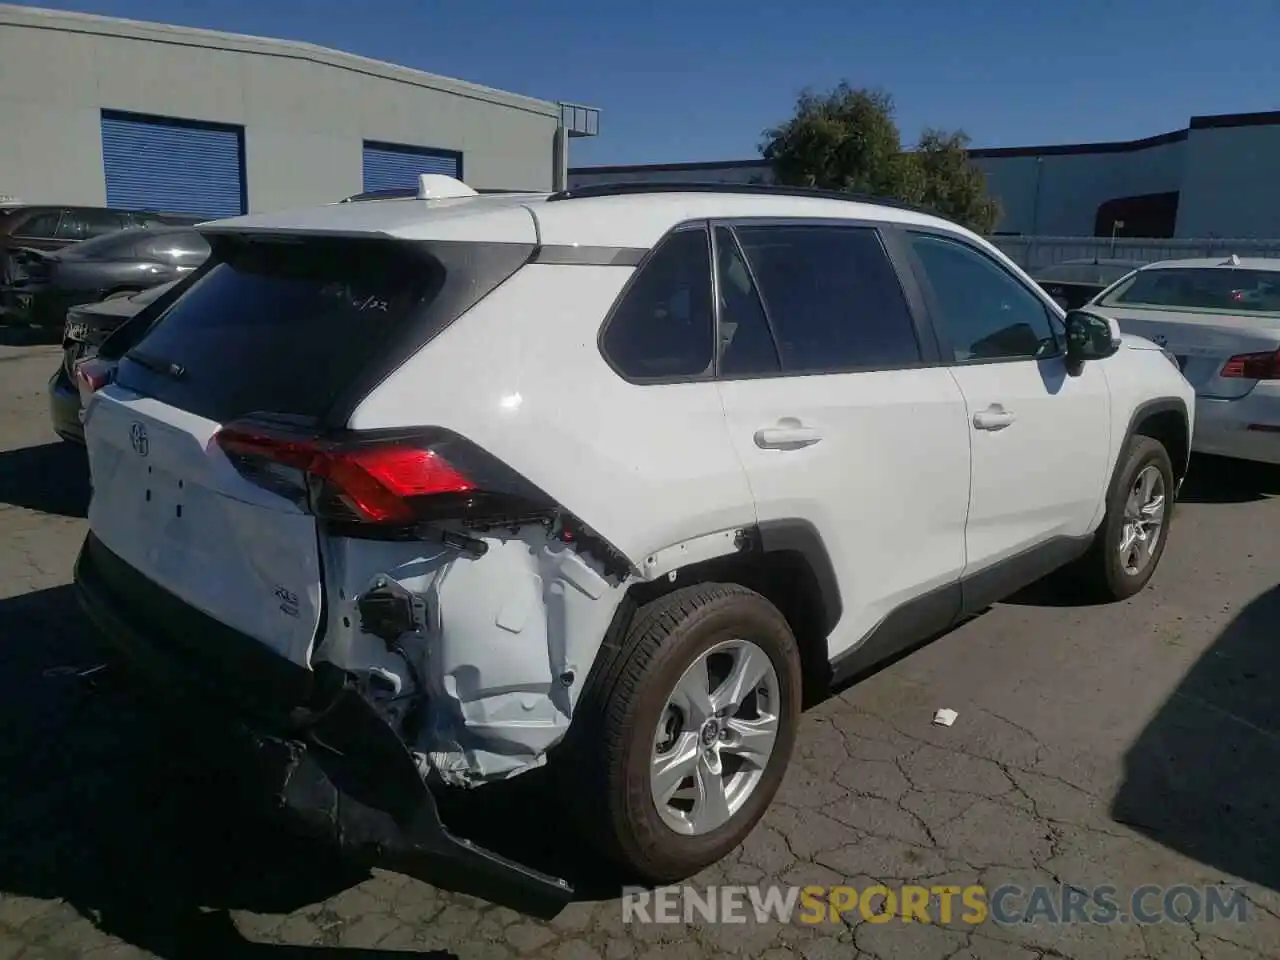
[1219, 320]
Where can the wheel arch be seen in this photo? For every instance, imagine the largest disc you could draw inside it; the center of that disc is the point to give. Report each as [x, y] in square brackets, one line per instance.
[1167, 420]
[784, 560]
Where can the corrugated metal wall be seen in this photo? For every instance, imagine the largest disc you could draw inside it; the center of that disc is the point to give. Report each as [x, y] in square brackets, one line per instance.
[1035, 253]
[388, 166]
[173, 166]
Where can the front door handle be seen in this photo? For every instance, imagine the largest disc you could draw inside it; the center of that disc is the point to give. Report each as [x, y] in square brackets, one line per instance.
[786, 437]
[995, 417]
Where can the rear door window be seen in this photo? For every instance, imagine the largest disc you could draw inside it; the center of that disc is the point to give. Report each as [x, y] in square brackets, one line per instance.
[100, 222]
[38, 226]
[288, 327]
[832, 297]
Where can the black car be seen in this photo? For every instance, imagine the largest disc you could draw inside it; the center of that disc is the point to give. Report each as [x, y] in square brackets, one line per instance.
[119, 264]
[30, 227]
[88, 328]
[1073, 283]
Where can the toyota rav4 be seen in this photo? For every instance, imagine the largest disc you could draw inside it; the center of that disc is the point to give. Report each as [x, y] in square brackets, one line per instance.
[420, 492]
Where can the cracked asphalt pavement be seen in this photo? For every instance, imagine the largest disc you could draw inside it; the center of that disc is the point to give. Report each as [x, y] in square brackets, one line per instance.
[1120, 745]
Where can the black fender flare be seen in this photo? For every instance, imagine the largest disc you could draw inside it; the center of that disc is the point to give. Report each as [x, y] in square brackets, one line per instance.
[1141, 413]
[802, 537]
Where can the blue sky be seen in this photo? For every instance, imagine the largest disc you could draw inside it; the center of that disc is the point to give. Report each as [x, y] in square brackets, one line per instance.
[700, 80]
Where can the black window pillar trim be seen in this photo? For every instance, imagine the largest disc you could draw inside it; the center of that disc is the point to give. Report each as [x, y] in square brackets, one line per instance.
[933, 347]
[713, 226]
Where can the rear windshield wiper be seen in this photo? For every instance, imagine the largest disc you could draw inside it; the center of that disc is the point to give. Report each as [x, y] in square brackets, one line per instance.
[174, 371]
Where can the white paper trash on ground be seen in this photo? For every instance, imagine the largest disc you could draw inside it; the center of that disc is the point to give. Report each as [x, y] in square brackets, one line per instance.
[945, 717]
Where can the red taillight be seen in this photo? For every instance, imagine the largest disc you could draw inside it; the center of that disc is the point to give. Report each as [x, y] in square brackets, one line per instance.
[377, 481]
[93, 375]
[1253, 366]
[380, 482]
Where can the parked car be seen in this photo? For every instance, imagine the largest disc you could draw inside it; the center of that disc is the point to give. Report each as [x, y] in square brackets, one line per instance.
[88, 327]
[44, 228]
[118, 264]
[1220, 319]
[1073, 283]
[436, 492]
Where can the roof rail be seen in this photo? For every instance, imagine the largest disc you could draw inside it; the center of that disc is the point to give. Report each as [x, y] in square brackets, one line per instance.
[389, 193]
[755, 189]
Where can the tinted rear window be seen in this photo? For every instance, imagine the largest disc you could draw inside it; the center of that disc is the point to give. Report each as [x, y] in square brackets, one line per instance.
[286, 328]
[1219, 289]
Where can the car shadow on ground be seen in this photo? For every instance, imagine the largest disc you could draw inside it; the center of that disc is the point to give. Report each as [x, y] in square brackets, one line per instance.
[1219, 480]
[52, 478]
[1203, 778]
[114, 810]
[22, 335]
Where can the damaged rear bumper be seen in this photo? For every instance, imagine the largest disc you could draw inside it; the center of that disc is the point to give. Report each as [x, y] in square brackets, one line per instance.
[331, 764]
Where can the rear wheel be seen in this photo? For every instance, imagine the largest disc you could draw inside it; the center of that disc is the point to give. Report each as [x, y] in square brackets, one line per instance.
[1130, 542]
[693, 728]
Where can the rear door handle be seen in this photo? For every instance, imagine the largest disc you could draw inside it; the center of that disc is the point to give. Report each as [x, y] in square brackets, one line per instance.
[995, 417]
[786, 437]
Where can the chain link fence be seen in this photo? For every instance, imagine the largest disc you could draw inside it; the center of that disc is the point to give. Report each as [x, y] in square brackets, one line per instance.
[1036, 253]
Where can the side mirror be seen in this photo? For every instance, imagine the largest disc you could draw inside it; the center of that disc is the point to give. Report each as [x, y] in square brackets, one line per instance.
[1090, 336]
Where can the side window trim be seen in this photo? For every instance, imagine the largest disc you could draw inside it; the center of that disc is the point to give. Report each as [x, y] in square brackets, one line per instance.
[933, 346]
[894, 242]
[714, 227]
[946, 347]
[707, 375]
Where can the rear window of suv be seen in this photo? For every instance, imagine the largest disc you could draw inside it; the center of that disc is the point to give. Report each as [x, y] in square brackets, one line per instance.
[1211, 289]
[288, 327]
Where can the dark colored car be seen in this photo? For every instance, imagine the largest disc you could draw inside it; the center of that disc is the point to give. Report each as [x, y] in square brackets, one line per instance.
[119, 264]
[53, 227]
[89, 327]
[1073, 283]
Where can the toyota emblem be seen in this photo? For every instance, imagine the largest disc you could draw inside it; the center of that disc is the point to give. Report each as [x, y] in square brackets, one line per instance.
[138, 438]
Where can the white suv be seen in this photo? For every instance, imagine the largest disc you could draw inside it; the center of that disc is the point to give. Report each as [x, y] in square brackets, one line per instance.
[424, 490]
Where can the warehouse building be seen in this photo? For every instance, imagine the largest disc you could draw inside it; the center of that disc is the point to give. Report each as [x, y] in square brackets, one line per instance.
[100, 111]
[1217, 177]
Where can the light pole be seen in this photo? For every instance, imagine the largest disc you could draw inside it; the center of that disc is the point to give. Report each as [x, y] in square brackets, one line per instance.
[1116, 225]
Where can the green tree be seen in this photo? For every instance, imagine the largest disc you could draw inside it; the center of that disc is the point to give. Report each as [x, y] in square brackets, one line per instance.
[847, 139]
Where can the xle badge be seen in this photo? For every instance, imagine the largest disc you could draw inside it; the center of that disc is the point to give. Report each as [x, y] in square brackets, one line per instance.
[288, 601]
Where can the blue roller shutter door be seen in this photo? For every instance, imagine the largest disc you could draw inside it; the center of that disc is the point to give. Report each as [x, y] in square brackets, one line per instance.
[173, 166]
[390, 166]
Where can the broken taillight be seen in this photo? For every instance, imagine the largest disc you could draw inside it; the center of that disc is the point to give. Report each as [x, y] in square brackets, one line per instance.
[91, 376]
[389, 483]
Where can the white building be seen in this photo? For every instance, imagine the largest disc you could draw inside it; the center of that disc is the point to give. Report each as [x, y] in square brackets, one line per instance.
[1218, 177]
[99, 111]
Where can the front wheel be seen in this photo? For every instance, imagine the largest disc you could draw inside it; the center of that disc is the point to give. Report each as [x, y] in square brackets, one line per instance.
[1131, 540]
[695, 730]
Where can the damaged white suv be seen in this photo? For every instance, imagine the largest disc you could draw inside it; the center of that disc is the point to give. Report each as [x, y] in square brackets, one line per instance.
[422, 490]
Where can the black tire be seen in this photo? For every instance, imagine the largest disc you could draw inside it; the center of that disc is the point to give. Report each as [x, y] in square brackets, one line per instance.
[611, 761]
[1101, 570]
